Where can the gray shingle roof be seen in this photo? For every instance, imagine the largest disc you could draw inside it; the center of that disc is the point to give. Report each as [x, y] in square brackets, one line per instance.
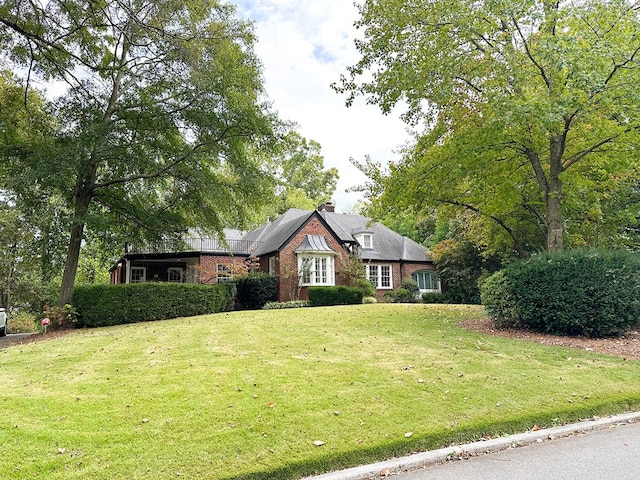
[387, 244]
[273, 235]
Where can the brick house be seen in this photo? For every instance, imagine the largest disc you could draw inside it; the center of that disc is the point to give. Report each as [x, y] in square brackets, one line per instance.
[301, 248]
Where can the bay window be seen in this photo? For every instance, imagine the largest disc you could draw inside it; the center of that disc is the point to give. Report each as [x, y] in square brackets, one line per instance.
[316, 269]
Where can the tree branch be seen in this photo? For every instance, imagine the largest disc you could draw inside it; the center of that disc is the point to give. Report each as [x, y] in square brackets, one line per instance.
[516, 242]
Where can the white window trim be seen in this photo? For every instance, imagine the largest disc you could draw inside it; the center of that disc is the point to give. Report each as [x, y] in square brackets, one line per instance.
[144, 274]
[174, 270]
[429, 290]
[226, 269]
[272, 266]
[330, 279]
[377, 281]
[365, 238]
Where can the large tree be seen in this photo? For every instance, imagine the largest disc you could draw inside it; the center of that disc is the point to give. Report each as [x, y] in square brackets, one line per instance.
[162, 119]
[302, 181]
[531, 108]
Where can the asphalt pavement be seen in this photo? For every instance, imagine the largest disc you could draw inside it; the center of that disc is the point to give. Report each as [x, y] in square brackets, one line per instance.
[604, 448]
[12, 338]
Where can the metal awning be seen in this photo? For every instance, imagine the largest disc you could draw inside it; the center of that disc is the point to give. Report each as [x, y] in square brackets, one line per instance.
[314, 244]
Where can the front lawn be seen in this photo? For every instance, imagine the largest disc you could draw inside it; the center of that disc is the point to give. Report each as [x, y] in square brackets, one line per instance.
[284, 393]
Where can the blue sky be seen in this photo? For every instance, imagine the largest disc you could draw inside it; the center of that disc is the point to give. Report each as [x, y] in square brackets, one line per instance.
[305, 45]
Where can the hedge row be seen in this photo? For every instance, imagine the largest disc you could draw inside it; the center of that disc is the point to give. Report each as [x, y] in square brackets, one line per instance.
[592, 293]
[255, 290]
[325, 296]
[104, 305]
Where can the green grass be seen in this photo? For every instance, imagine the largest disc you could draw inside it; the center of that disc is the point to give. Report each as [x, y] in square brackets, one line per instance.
[246, 394]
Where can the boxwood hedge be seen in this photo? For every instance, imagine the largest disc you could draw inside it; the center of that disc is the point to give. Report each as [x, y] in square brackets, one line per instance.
[324, 296]
[104, 305]
[593, 293]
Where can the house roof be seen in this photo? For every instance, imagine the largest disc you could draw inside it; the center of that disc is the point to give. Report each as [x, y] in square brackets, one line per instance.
[273, 235]
[387, 244]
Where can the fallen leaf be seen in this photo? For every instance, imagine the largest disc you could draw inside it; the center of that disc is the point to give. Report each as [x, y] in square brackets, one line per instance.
[318, 443]
[62, 450]
[385, 473]
[408, 434]
[535, 428]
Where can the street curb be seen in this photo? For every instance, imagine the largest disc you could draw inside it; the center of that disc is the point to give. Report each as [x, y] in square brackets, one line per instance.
[418, 460]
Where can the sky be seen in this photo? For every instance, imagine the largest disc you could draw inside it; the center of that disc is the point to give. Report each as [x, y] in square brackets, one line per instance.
[305, 45]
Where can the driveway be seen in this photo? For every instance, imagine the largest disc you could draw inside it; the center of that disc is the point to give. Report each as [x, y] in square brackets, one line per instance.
[13, 338]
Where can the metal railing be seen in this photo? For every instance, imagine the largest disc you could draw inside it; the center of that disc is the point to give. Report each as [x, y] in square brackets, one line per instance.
[195, 245]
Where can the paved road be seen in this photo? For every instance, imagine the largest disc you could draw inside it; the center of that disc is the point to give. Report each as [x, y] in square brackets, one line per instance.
[613, 453]
[12, 338]
[600, 448]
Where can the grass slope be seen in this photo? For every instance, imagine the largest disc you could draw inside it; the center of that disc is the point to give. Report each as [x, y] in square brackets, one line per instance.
[246, 394]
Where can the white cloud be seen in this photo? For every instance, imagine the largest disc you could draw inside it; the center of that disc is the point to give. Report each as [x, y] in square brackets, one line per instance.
[305, 45]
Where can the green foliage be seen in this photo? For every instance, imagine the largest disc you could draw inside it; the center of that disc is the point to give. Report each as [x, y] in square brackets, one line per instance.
[430, 297]
[300, 176]
[365, 286]
[412, 286]
[399, 295]
[104, 305]
[498, 298]
[61, 318]
[255, 290]
[340, 295]
[23, 322]
[369, 300]
[283, 305]
[531, 108]
[164, 125]
[460, 266]
[595, 293]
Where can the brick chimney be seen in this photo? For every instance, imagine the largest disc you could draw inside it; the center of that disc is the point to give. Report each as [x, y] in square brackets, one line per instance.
[327, 207]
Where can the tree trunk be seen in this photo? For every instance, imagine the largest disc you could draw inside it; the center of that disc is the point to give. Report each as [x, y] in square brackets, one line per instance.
[83, 197]
[553, 197]
[555, 228]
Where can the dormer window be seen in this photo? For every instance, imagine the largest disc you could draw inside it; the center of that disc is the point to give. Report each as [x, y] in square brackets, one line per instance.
[365, 240]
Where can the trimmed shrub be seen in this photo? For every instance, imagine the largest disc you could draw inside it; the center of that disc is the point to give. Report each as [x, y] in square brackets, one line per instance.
[431, 297]
[325, 296]
[399, 295]
[255, 290]
[104, 305]
[498, 299]
[366, 287]
[369, 300]
[412, 286]
[593, 293]
[283, 305]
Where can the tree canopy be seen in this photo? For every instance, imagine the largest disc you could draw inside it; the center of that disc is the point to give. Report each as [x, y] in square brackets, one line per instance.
[161, 123]
[302, 181]
[530, 112]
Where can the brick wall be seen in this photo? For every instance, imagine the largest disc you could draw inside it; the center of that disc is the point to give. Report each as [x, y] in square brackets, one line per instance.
[287, 262]
[208, 269]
